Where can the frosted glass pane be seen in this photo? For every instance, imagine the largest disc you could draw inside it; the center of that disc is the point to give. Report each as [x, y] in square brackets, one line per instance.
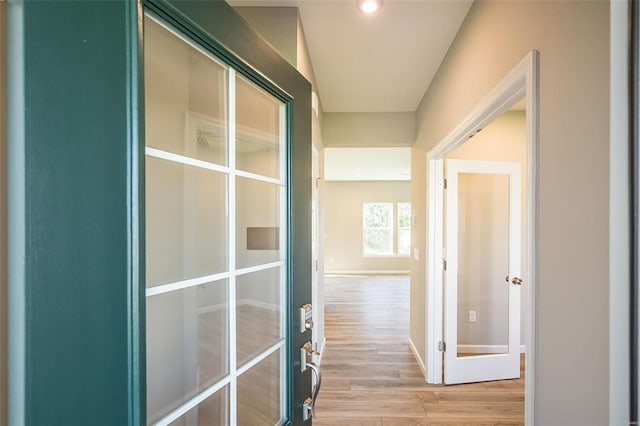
[186, 222]
[483, 264]
[258, 138]
[213, 411]
[259, 393]
[185, 98]
[257, 206]
[187, 345]
[258, 312]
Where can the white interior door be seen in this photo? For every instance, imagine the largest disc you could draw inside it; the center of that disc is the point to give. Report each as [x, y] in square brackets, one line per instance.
[482, 278]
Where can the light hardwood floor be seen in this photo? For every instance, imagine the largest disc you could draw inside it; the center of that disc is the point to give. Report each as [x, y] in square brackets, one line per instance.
[370, 376]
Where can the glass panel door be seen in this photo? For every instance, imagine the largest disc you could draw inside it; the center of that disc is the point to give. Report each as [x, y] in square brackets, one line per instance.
[483, 254]
[215, 239]
[483, 264]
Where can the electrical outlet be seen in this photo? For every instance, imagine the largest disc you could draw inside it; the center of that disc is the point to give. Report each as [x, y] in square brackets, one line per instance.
[473, 316]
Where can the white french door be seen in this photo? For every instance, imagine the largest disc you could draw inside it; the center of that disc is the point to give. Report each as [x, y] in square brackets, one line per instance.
[482, 278]
[216, 220]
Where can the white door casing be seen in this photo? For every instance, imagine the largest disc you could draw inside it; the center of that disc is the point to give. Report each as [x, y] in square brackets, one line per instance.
[492, 366]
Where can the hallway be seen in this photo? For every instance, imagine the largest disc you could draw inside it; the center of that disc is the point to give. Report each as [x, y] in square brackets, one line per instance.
[370, 376]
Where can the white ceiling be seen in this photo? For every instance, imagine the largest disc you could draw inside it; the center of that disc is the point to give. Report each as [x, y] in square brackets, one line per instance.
[375, 63]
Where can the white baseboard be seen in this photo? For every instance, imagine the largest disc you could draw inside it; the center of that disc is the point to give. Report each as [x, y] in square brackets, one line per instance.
[486, 349]
[418, 359]
[369, 272]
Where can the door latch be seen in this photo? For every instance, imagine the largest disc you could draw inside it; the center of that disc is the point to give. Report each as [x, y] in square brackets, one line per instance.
[305, 318]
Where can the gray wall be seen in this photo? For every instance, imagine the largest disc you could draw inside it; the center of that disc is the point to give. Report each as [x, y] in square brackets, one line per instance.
[369, 129]
[343, 216]
[276, 25]
[572, 357]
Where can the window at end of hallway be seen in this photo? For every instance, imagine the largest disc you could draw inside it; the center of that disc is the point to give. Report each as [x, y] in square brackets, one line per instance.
[377, 220]
[379, 229]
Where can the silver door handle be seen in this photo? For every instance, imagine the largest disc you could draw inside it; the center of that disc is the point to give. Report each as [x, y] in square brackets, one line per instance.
[306, 351]
[309, 405]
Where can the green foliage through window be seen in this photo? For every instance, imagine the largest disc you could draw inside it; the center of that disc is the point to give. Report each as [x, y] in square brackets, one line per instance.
[379, 228]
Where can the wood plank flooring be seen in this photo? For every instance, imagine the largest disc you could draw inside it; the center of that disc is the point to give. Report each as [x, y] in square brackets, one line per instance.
[370, 376]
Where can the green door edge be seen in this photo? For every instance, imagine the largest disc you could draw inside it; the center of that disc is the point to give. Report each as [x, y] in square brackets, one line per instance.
[76, 210]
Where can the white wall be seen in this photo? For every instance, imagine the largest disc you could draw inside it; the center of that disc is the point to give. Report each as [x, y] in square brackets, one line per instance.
[343, 227]
[572, 325]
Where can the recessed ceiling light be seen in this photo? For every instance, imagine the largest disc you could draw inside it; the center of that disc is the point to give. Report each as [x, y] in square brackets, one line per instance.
[369, 6]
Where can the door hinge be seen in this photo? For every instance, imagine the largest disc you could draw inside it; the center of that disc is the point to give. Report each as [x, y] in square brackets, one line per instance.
[444, 264]
[316, 265]
[444, 183]
[442, 346]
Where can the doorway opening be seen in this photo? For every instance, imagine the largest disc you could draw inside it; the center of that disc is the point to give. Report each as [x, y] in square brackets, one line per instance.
[481, 237]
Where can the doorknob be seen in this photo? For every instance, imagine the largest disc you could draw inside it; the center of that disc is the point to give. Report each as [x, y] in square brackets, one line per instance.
[516, 281]
[309, 405]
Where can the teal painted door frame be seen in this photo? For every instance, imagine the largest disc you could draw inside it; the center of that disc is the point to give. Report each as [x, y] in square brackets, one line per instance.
[76, 198]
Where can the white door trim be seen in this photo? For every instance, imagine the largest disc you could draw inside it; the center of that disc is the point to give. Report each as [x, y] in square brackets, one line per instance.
[522, 81]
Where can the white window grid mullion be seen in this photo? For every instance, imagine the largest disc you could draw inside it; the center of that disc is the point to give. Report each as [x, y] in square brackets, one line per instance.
[233, 385]
[179, 285]
[258, 177]
[259, 358]
[258, 268]
[183, 159]
[193, 402]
